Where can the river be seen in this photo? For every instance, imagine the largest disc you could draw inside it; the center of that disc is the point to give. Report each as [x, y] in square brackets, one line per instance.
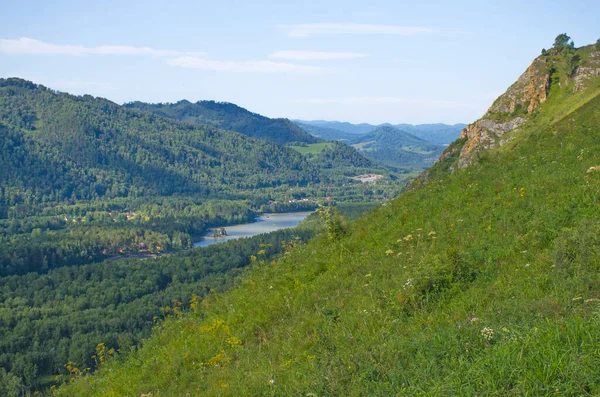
[265, 223]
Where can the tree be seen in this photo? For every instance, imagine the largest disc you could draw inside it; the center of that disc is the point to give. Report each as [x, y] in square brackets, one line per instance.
[562, 41]
[597, 45]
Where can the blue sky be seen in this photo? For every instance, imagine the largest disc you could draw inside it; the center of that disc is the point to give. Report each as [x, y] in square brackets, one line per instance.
[379, 61]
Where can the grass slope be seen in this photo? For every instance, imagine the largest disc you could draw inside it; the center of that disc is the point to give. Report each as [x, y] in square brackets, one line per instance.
[482, 282]
[313, 148]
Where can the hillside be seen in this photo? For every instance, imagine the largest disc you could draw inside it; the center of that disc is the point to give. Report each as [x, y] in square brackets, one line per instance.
[230, 117]
[57, 146]
[329, 134]
[483, 279]
[391, 146]
[349, 128]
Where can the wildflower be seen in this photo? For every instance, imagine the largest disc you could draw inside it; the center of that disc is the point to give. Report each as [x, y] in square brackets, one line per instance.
[409, 283]
[522, 192]
[408, 238]
[389, 252]
[432, 233]
[488, 333]
[527, 265]
[271, 381]
[473, 319]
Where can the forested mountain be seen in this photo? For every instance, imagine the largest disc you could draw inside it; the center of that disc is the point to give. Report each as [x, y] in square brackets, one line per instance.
[349, 128]
[391, 146]
[403, 145]
[329, 134]
[57, 146]
[482, 279]
[230, 117]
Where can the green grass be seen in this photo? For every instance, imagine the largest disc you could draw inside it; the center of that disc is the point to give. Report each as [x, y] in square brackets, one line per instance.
[312, 148]
[403, 300]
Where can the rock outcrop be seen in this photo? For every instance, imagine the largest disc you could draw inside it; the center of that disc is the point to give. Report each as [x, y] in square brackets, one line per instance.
[513, 108]
[484, 134]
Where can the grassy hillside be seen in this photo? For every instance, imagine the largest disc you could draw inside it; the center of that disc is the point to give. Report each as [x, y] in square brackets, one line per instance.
[231, 117]
[482, 281]
[313, 148]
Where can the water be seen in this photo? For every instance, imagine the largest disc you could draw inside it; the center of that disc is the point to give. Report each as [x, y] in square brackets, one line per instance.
[265, 223]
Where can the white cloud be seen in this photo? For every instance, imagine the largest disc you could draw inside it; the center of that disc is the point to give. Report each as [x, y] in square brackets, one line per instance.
[241, 66]
[368, 100]
[315, 29]
[315, 55]
[26, 45]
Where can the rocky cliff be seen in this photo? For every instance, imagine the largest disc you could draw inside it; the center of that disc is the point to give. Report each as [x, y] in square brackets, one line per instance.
[570, 69]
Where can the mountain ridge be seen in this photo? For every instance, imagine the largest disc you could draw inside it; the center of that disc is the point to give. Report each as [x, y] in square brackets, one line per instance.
[229, 116]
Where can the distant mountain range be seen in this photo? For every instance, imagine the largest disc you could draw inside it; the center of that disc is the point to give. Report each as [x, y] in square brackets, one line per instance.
[442, 134]
[402, 145]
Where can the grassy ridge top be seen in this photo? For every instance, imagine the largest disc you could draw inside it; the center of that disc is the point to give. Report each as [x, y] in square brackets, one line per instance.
[481, 282]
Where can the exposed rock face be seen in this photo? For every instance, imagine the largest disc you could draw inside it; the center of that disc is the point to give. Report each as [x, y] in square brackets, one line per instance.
[587, 71]
[529, 91]
[484, 134]
[512, 109]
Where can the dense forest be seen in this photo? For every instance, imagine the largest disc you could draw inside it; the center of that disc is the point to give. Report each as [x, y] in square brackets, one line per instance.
[47, 320]
[231, 117]
[57, 147]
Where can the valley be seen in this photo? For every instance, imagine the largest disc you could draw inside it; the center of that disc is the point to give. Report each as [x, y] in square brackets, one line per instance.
[266, 200]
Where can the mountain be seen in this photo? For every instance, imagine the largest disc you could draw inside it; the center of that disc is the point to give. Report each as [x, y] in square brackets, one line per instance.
[404, 145]
[482, 279]
[57, 146]
[230, 117]
[391, 146]
[349, 128]
[441, 134]
[329, 134]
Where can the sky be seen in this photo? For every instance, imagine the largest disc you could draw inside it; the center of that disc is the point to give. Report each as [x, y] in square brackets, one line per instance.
[389, 61]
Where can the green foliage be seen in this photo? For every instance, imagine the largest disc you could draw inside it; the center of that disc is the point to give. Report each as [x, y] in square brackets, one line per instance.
[597, 45]
[47, 320]
[480, 282]
[313, 148]
[334, 223]
[230, 117]
[391, 146]
[563, 41]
